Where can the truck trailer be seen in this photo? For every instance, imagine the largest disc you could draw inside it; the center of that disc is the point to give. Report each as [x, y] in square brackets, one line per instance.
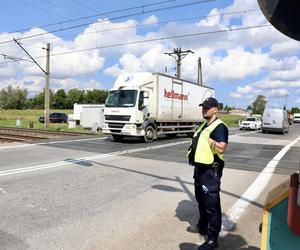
[148, 104]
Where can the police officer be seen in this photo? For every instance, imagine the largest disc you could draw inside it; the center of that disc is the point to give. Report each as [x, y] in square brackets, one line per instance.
[206, 155]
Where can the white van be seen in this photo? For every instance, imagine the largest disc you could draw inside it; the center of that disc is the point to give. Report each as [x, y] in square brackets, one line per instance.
[275, 120]
[296, 117]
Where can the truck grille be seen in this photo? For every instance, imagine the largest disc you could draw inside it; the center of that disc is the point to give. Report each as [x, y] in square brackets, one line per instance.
[117, 117]
[116, 125]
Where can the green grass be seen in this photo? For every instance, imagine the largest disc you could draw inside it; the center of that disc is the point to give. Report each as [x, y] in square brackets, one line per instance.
[8, 118]
[231, 120]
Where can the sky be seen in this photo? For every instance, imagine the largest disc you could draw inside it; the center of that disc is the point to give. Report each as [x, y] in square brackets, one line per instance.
[92, 42]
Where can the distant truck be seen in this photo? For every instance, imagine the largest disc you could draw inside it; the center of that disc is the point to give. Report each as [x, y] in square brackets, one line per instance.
[275, 120]
[77, 110]
[92, 117]
[150, 104]
[296, 117]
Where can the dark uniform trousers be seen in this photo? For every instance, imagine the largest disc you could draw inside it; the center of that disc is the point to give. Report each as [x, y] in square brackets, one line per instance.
[207, 188]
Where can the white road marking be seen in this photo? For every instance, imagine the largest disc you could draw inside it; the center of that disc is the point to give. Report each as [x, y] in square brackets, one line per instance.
[77, 140]
[254, 190]
[51, 142]
[94, 157]
[252, 132]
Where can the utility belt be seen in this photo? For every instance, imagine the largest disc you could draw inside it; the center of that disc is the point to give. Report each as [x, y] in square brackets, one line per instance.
[203, 167]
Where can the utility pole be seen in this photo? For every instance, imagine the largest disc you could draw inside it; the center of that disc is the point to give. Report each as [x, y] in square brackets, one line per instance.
[286, 96]
[47, 76]
[199, 81]
[179, 54]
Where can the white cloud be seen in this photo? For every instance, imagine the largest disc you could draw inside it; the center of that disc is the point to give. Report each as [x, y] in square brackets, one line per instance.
[147, 62]
[277, 92]
[285, 48]
[238, 64]
[236, 95]
[150, 20]
[213, 20]
[245, 92]
[298, 100]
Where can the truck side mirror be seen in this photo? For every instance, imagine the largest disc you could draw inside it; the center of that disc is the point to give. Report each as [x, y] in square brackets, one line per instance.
[146, 101]
[143, 100]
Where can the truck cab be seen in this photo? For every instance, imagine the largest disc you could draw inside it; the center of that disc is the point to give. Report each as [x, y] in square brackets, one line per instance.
[127, 108]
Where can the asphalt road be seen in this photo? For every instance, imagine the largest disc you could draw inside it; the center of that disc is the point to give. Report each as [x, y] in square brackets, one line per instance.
[94, 193]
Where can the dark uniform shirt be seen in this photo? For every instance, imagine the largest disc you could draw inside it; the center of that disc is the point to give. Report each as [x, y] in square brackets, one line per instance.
[205, 174]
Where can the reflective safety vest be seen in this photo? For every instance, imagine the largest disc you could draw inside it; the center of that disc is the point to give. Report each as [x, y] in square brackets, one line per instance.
[204, 153]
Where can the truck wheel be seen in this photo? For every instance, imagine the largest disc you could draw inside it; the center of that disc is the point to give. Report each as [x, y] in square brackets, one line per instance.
[149, 134]
[118, 137]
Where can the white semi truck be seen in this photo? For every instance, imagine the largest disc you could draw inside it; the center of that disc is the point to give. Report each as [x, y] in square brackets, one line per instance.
[150, 104]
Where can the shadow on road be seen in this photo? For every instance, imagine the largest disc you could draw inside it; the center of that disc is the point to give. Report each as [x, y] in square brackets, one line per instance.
[9, 241]
[228, 242]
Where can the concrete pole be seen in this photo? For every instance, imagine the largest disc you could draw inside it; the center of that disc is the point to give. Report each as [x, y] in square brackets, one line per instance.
[47, 78]
[199, 81]
[178, 67]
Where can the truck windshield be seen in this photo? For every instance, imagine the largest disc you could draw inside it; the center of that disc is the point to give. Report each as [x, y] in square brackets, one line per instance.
[121, 98]
[250, 119]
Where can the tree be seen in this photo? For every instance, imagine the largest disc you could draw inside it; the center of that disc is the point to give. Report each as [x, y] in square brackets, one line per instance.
[259, 104]
[295, 110]
[11, 98]
[96, 96]
[221, 106]
[74, 96]
[228, 108]
[38, 101]
[59, 99]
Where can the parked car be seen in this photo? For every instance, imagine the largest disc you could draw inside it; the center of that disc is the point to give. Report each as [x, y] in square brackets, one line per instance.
[275, 120]
[296, 117]
[251, 122]
[55, 118]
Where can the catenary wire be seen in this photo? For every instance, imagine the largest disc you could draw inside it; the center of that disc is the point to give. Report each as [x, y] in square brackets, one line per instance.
[114, 18]
[38, 8]
[141, 25]
[153, 40]
[82, 5]
[145, 25]
[95, 15]
[55, 5]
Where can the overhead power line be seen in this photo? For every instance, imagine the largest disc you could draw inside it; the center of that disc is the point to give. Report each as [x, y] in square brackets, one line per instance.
[110, 19]
[57, 6]
[95, 15]
[14, 58]
[38, 8]
[150, 24]
[82, 5]
[154, 39]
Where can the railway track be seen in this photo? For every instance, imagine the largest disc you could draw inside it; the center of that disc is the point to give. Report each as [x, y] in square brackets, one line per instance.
[9, 134]
[43, 131]
[16, 137]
